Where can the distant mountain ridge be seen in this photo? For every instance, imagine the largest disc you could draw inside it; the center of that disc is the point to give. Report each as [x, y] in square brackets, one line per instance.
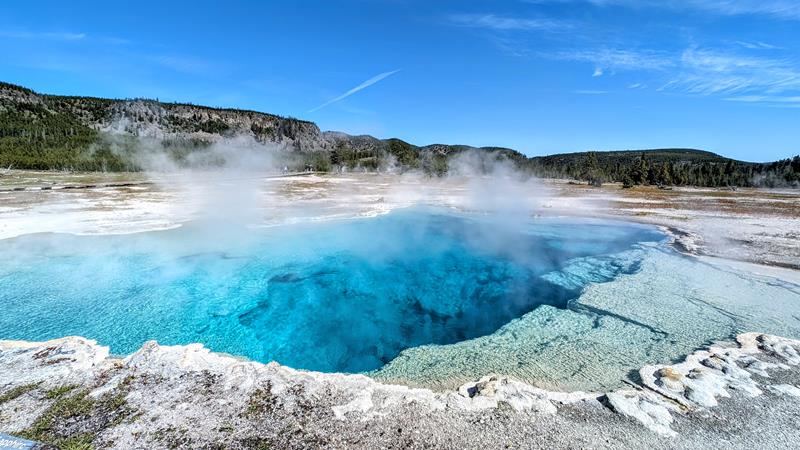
[41, 131]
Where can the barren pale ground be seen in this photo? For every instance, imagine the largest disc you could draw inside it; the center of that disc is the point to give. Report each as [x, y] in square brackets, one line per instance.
[736, 395]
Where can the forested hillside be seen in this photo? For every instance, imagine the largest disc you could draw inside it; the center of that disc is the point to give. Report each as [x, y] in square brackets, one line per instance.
[87, 133]
[51, 132]
[683, 167]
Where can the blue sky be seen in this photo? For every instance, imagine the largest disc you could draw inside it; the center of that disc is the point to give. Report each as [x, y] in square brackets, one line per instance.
[541, 76]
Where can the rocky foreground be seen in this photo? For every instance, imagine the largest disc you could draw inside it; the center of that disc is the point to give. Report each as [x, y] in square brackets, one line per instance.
[70, 392]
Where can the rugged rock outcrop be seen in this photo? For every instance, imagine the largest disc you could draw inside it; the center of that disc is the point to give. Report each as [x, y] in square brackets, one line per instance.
[151, 118]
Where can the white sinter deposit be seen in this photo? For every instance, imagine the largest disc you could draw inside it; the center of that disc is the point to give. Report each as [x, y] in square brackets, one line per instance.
[165, 396]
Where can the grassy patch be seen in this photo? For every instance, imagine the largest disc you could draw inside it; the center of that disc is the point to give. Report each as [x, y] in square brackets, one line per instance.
[43, 429]
[261, 401]
[11, 394]
[80, 442]
[58, 392]
[75, 419]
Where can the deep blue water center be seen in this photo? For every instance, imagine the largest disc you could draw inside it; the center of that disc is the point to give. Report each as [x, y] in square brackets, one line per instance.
[332, 296]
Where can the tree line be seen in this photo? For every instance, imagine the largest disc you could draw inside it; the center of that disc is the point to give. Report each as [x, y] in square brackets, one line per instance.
[668, 168]
[31, 137]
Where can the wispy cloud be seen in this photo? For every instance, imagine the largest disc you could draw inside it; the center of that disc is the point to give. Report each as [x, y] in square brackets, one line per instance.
[60, 36]
[765, 99]
[360, 87]
[506, 23]
[758, 45]
[616, 59]
[701, 71]
[510, 33]
[780, 9]
[712, 72]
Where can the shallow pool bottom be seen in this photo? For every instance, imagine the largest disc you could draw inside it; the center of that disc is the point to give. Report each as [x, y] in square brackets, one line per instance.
[668, 308]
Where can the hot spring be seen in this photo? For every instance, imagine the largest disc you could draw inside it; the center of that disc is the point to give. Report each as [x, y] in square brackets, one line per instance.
[424, 296]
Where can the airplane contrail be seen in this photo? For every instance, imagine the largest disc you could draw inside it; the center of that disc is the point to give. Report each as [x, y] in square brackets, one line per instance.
[361, 86]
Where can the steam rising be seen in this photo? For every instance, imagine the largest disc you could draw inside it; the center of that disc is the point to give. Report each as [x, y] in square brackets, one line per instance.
[228, 179]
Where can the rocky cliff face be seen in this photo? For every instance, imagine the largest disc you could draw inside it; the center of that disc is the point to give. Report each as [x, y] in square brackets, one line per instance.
[151, 118]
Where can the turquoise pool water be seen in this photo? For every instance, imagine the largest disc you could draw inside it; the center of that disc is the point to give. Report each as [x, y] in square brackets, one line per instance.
[335, 296]
[423, 296]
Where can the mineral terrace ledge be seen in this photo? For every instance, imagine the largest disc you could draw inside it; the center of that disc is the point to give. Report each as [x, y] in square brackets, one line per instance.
[69, 391]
